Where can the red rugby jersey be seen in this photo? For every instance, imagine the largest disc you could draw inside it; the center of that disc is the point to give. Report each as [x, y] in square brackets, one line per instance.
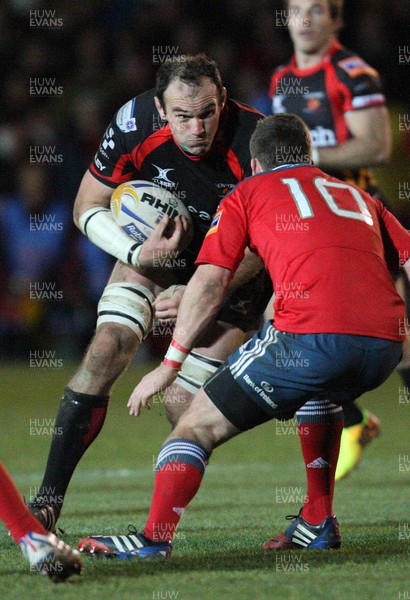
[321, 240]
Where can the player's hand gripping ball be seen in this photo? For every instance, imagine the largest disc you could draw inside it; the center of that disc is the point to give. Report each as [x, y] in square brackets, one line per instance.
[137, 207]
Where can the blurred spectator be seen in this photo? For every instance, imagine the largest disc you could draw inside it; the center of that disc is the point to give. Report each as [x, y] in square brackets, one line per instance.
[38, 247]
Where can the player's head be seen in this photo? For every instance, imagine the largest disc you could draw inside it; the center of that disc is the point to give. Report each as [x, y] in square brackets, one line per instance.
[189, 95]
[313, 24]
[279, 140]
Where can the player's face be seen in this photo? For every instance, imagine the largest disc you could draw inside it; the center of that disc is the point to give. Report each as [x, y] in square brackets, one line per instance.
[311, 25]
[193, 114]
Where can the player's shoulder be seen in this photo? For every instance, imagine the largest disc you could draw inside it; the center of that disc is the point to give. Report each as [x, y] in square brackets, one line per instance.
[237, 124]
[350, 66]
[241, 113]
[138, 117]
[282, 70]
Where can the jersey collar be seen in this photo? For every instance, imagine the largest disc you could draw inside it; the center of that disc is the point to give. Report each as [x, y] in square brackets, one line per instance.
[289, 166]
[325, 59]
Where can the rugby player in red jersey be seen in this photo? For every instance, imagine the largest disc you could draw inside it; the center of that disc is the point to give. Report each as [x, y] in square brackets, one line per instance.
[345, 346]
[189, 137]
[340, 98]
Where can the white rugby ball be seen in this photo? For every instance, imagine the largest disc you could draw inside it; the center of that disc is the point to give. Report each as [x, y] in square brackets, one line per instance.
[137, 207]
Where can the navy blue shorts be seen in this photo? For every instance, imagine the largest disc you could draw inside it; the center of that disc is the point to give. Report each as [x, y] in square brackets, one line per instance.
[275, 373]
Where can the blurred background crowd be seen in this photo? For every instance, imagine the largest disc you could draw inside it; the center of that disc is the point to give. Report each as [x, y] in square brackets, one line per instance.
[67, 66]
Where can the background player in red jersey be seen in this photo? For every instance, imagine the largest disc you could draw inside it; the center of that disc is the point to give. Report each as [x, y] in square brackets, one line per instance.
[189, 137]
[340, 98]
[344, 346]
[44, 551]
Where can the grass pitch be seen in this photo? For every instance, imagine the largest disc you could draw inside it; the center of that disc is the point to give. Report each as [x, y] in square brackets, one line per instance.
[251, 484]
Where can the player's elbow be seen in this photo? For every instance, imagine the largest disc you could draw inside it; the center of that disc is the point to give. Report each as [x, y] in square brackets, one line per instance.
[76, 214]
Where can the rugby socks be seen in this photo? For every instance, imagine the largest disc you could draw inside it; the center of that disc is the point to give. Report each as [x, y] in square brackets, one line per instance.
[320, 425]
[79, 420]
[13, 512]
[179, 471]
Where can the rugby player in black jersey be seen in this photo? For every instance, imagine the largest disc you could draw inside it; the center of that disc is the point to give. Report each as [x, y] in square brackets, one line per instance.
[188, 137]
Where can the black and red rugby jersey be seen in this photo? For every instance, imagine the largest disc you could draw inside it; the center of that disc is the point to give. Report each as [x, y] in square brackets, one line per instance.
[139, 145]
[321, 95]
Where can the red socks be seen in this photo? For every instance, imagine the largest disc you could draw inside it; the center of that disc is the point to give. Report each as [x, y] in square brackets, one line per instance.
[320, 447]
[179, 472]
[13, 512]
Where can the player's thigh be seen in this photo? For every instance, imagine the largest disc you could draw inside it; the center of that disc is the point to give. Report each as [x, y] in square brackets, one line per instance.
[123, 273]
[204, 422]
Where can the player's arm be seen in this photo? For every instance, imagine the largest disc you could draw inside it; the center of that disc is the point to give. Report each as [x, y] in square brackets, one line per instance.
[93, 217]
[221, 253]
[199, 306]
[398, 235]
[167, 302]
[369, 146]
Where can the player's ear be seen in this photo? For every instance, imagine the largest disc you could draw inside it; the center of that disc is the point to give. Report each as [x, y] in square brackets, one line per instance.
[224, 96]
[256, 166]
[159, 108]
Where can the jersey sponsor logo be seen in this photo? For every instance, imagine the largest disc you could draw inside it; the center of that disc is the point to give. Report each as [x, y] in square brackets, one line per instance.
[259, 391]
[162, 177]
[108, 142]
[356, 66]
[215, 223]
[267, 387]
[125, 121]
[322, 137]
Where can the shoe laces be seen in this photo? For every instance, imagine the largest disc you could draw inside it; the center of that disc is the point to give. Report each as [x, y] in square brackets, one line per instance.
[293, 517]
[132, 530]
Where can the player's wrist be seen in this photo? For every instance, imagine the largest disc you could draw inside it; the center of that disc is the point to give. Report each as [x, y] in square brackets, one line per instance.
[175, 356]
[134, 256]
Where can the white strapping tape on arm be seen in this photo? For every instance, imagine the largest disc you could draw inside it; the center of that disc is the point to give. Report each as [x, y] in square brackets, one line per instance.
[99, 226]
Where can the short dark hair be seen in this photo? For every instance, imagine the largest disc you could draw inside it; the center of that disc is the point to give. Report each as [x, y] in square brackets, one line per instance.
[281, 139]
[190, 69]
[335, 6]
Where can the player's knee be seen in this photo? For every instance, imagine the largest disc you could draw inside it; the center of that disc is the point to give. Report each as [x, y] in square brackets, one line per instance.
[114, 339]
[204, 423]
[176, 401]
[126, 307]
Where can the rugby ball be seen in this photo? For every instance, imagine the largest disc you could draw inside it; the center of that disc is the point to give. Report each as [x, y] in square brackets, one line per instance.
[137, 207]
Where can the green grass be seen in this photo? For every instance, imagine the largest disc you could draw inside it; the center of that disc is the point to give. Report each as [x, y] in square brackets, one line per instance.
[217, 552]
